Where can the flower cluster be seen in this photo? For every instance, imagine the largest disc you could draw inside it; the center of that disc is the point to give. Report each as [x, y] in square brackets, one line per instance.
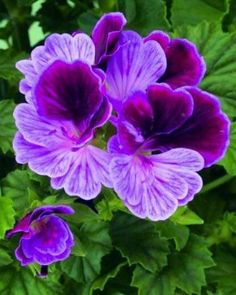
[167, 129]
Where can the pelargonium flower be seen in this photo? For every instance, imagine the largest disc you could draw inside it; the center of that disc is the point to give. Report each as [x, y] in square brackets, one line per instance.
[164, 136]
[45, 237]
[55, 136]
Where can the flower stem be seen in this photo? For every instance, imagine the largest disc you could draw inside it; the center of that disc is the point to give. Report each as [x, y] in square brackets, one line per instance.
[215, 183]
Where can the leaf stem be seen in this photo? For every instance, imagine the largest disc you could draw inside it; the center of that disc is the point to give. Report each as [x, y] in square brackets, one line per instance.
[215, 183]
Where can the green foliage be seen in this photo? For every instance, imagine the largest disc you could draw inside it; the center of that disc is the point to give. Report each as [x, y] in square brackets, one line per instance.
[185, 271]
[17, 281]
[195, 11]
[145, 16]
[7, 219]
[139, 242]
[218, 49]
[115, 253]
[6, 124]
[223, 274]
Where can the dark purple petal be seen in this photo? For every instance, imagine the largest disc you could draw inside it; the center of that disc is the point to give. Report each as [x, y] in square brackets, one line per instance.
[185, 66]
[106, 33]
[138, 111]
[171, 108]
[144, 116]
[132, 68]
[69, 92]
[206, 131]
[152, 186]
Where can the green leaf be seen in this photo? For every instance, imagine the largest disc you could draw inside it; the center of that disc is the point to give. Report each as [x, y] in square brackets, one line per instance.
[17, 185]
[170, 230]
[229, 161]
[152, 283]
[21, 282]
[82, 214]
[185, 271]
[186, 268]
[219, 51]
[223, 230]
[185, 216]
[224, 273]
[5, 258]
[139, 242]
[111, 266]
[110, 203]
[120, 284]
[7, 215]
[7, 125]
[145, 16]
[8, 59]
[95, 242]
[195, 11]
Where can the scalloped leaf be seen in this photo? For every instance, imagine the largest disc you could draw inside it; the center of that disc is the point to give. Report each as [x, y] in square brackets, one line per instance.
[139, 242]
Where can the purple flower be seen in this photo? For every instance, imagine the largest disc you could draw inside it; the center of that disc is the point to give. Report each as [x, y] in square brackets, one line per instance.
[57, 126]
[45, 237]
[164, 137]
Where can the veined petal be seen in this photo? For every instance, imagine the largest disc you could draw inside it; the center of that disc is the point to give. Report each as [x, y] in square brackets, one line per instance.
[63, 47]
[152, 186]
[53, 162]
[36, 129]
[87, 174]
[133, 67]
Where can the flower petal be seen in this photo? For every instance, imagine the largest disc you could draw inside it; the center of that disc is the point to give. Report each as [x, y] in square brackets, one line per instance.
[86, 175]
[206, 131]
[152, 188]
[185, 66]
[133, 67]
[36, 129]
[63, 47]
[110, 23]
[69, 92]
[171, 108]
[53, 162]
